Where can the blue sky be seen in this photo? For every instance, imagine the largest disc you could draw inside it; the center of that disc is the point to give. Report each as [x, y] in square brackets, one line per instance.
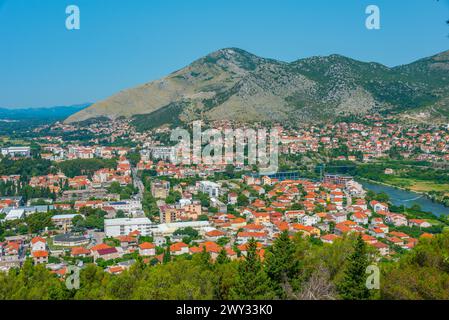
[125, 43]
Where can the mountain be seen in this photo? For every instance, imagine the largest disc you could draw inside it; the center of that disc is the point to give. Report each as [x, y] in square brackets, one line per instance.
[237, 85]
[53, 113]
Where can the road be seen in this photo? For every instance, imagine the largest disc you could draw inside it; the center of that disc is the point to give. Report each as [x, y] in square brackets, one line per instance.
[137, 182]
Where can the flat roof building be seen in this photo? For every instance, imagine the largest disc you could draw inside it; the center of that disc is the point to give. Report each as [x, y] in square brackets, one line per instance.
[124, 226]
[16, 151]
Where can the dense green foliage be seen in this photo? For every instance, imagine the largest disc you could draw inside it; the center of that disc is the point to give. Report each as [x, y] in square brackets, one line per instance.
[125, 192]
[77, 167]
[292, 269]
[26, 168]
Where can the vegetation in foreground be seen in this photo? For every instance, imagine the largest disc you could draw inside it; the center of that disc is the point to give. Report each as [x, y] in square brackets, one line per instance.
[298, 268]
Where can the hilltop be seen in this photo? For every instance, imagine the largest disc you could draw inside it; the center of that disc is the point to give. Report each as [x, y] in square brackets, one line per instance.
[237, 85]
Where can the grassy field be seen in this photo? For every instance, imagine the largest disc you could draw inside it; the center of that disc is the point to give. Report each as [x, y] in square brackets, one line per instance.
[418, 185]
[6, 140]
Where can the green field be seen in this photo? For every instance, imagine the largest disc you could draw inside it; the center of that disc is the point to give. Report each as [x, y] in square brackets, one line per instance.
[418, 185]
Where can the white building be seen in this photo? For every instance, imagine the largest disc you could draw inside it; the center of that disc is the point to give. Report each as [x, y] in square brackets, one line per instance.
[167, 229]
[124, 226]
[15, 214]
[16, 152]
[129, 207]
[159, 153]
[209, 187]
[38, 244]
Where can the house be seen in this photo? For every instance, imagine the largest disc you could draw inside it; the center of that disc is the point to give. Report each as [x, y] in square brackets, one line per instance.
[377, 232]
[245, 236]
[369, 239]
[396, 241]
[305, 230]
[261, 217]
[38, 244]
[147, 249]
[419, 223]
[329, 238]
[214, 235]
[396, 219]
[107, 253]
[40, 257]
[309, 220]
[379, 207]
[231, 253]
[238, 223]
[79, 252]
[215, 203]
[127, 241]
[294, 215]
[266, 180]
[360, 203]
[359, 218]
[232, 198]
[212, 248]
[179, 248]
[115, 269]
[338, 217]
[382, 248]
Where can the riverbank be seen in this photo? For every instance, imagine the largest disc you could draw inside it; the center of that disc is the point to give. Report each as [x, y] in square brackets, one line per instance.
[402, 197]
[392, 186]
[424, 193]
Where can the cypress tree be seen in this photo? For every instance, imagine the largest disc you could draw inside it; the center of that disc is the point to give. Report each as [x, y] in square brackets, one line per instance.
[252, 282]
[353, 285]
[167, 255]
[281, 263]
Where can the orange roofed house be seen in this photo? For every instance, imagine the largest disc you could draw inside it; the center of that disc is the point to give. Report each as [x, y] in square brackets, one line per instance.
[147, 249]
[40, 257]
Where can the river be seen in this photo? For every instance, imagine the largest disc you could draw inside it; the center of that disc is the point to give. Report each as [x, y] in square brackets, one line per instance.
[407, 198]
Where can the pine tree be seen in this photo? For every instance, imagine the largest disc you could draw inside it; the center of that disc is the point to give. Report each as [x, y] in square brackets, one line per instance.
[205, 259]
[353, 285]
[222, 257]
[282, 267]
[252, 282]
[167, 255]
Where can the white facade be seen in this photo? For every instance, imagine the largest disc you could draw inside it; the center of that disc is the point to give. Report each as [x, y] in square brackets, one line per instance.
[127, 206]
[15, 214]
[16, 151]
[167, 229]
[38, 246]
[124, 226]
[211, 188]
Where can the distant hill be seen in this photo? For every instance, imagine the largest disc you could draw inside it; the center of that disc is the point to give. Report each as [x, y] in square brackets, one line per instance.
[237, 85]
[51, 113]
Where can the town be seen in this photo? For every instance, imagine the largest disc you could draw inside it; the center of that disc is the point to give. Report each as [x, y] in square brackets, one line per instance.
[117, 196]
